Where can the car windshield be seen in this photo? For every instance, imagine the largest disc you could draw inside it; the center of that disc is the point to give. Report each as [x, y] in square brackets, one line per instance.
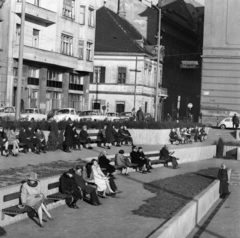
[63, 111]
[89, 113]
[227, 119]
[28, 111]
[8, 109]
[126, 114]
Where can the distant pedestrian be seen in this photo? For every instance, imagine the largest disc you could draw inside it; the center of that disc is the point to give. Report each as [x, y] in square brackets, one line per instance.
[133, 114]
[235, 121]
[68, 134]
[140, 115]
[223, 177]
[168, 117]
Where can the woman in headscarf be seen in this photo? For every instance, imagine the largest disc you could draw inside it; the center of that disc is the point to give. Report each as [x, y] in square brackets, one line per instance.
[105, 165]
[223, 177]
[32, 196]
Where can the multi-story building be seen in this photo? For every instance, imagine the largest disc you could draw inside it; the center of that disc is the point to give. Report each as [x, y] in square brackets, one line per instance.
[220, 96]
[58, 51]
[125, 70]
[181, 38]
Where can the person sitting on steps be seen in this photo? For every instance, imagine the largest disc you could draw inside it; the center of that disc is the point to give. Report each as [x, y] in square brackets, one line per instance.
[166, 156]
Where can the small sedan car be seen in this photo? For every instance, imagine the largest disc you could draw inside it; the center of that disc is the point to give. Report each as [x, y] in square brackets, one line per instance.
[33, 114]
[66, 114]
[226, 123]
[125, 115]
[91, 115]
[52, 113]
[112, 116]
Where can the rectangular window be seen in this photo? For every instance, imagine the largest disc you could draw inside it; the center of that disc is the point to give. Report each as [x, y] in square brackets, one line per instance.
[33, 72]
[35, 41]
[76, 82]
[54, 76]
[18, 31]
[69, 8]
[80, 49]
[90, 17]
[75, 101]
[67, 45]
[122, 72]
[89, 51]
[99, 75]
[82, 15]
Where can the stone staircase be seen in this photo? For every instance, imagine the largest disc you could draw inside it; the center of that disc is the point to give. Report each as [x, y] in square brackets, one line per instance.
[226, 135]
[235, 178]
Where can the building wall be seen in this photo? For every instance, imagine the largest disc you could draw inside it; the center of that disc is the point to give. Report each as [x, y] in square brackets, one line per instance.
[221, 59]
[110, 92]
[49, 20]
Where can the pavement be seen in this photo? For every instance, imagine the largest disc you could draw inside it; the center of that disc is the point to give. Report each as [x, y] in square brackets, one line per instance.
[114, 219]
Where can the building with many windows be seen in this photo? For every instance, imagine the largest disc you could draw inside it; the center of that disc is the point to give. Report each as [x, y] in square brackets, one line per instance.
[125, 69]
[58, 51]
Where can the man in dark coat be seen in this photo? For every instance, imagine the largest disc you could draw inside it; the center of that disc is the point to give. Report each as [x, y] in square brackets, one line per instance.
[23, 139]
[68, 134]
[3, 141]
[235, 121]
[109, 135]
[223, 177]
[136, 159]
[85, 138]
[31, 138]
[166, 156]
[140, 115]
[82, 184]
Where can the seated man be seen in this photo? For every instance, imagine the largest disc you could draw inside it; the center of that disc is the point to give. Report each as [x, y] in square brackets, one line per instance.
[23, 139]
[166, 156]
[144, 157]
[42, 141]
[117, 137]
[124, 134]
[76, 139]
[136, 158]
[203, 133]
[82, 184]
[3, 141]
[122, 162]
[105, 165]
[197, 135]
[84, 137]
[173, 136]
[31, 137]
[69, 186]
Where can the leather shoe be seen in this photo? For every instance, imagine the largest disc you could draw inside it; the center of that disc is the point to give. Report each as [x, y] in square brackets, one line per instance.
[74, 206]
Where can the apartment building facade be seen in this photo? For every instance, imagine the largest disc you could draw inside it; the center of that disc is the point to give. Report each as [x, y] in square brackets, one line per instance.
[58, 51]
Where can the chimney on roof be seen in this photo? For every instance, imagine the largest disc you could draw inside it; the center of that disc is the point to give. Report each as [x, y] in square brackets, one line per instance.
[122, 8]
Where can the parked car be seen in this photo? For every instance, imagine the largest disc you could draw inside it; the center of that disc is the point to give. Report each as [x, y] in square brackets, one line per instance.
[125, 115]
[7, 113]
[66, 114]
[91, 115]
[226, 123]
[33, 114]
[52, 113]
[112, 116]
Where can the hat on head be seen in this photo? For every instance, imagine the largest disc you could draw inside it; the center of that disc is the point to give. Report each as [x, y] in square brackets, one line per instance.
[134, 147]
[33, 177]
[121, 152]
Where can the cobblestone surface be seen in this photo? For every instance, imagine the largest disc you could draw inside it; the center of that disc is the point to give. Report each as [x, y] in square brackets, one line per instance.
[114, 218]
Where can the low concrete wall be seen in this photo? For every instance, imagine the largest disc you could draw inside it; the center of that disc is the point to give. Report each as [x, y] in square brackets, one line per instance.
[16, 188]
[185, 220]
[227, 148]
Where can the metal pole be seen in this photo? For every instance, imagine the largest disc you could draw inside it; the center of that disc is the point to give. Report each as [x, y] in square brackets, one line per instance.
[135, 84]
[20, 63]
[158, 59]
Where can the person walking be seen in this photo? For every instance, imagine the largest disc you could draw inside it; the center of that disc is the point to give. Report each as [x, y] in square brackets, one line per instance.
[140, 115]
[109, 135]
[235, 121]
[68, 134]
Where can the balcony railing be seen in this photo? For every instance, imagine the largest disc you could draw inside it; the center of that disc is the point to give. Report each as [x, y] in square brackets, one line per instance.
[76, 87]
[33, 81]
[54, 84]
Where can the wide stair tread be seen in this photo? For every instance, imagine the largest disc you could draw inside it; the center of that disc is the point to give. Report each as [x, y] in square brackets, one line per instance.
[235, 178]
[226, 135]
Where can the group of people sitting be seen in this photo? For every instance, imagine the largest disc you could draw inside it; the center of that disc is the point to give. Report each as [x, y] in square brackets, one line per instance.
[187, 135]
[12, 141]
[75, 140]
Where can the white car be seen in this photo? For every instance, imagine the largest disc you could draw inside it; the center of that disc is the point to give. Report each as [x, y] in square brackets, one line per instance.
[33, 114]
[226, 123]
[66, 114]
[7, 113]
[112, 116]
[91, 115]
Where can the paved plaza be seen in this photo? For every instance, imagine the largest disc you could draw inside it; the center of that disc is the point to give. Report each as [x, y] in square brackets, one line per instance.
[115, 219]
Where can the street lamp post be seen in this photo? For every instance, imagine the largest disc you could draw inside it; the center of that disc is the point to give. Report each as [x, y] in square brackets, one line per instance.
[20, 62]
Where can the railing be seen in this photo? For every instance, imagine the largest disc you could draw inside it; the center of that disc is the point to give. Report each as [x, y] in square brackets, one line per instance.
[76, 87]
[33, 81]
[54, 84]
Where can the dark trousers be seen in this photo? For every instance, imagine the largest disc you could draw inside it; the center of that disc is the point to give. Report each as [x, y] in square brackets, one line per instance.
[76, 194]
[43, 145]
[112, 184]
[173, 160]
[94, 197]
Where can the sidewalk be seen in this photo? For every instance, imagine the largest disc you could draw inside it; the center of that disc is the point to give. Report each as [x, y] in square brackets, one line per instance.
[33, 159]
[114, 218]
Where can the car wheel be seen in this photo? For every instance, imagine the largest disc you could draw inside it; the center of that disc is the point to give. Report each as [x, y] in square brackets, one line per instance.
[223, 126]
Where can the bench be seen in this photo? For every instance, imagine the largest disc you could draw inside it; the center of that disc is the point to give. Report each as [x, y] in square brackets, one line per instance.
[57, 196]
[14, 210]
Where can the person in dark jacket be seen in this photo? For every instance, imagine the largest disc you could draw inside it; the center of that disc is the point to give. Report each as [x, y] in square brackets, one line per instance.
[223, 177]
[166, 156]
[82, 184]
[117, 137]
[140, 115]
[85, 138]
[125, 135]
[3, 141]
[105, 165]
[135, 158]
[235, 121]
[76, 139]
[69, 186]
[31, 137]
[68, 134]
[144, 157]
[23, 139]
[42, 140]
[109, 135]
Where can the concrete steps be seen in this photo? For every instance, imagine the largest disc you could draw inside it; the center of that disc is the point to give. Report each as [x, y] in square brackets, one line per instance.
[235, 178]
[226, 135]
